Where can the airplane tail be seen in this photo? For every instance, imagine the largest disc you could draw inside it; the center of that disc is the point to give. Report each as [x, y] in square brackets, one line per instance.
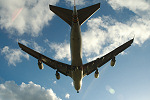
[63, 13]
[83, 14]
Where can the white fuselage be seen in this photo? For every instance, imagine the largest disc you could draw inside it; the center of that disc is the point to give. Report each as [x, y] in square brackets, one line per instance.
[76, 52]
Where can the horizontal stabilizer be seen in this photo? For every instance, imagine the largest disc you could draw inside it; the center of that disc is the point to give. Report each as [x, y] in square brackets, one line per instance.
[63, 13]
[85, 13]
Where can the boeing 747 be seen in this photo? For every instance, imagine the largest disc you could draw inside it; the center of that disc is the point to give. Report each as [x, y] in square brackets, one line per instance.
[76, 70]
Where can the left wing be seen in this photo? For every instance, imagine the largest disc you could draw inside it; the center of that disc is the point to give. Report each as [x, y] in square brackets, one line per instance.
[92, 66]
[60, 67]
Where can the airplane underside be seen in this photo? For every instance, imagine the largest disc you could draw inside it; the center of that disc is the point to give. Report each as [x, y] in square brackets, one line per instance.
[77, 70]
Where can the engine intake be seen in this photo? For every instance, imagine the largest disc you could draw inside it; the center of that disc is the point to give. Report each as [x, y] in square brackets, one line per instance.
[96, 75]
[40, 64]
[113, 61]
[57, 75]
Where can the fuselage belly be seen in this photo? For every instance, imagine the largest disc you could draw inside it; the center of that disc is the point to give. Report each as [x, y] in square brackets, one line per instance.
[76, 54]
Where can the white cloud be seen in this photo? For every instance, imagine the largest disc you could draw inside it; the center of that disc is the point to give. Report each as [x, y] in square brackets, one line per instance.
[13, 56]
[38, 48]
[25, 16]
[78, 2]
[67, 96]
[11, 91]
[54, 82]
[35, 45]
[24, 42]
[137, 6]
[62, 50]
[108, 34]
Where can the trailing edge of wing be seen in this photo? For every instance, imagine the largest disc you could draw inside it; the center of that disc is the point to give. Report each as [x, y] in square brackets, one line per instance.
[93, 65]
[61, 67]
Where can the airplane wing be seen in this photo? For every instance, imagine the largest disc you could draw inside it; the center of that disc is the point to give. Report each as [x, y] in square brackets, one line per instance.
[60, 67]
[93, 65]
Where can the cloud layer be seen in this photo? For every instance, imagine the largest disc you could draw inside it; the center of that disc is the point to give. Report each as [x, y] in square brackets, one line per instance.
[137, 6]
[62, 50]
[77, 2]
[67, 96]
[25, 16]
[13, 56]
[11, 91]
[34, 45]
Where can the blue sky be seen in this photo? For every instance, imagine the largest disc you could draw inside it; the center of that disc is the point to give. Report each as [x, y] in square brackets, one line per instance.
[33, 24]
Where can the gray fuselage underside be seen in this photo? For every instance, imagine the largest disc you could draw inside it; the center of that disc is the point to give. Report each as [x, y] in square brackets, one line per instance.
[76, 55]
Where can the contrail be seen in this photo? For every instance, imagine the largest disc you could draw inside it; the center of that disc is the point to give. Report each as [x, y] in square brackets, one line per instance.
[15, 16]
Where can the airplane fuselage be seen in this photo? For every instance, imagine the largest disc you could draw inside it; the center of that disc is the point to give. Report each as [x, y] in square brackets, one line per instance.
[76, 51]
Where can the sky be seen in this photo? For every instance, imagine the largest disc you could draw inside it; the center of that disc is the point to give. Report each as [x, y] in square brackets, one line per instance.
[33, 24]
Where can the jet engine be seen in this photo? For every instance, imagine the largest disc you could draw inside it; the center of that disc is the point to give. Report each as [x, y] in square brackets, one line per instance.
[113, 61]
[96, 74]
[57, 75]
[40, 64]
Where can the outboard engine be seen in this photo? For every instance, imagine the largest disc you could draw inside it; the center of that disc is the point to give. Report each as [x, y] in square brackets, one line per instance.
[57, 75]
[40, 64]
[96, 73]
[113, 61]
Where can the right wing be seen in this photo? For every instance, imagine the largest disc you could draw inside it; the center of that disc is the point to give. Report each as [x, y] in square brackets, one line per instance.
[60, 67]
[92, 66]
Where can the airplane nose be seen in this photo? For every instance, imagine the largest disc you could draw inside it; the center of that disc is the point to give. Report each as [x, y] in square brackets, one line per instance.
[77, 86]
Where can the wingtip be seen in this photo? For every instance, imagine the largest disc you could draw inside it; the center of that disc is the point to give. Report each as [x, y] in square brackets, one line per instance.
[49, 6]
[20, 45]
[132, 40]
[18, 42]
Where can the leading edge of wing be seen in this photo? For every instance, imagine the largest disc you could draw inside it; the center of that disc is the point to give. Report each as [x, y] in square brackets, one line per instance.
[60, 67]
[93, 65]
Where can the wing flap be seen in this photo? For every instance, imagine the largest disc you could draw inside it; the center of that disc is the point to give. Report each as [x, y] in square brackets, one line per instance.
[61, 67]
[92, 66]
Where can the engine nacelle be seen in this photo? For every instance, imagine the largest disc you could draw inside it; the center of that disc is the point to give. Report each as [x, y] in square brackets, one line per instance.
[113, 61]
[57, 75]
[96, 75]
[40, 64]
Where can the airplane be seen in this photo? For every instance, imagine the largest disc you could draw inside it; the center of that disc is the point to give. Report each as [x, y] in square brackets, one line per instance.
[77, 70]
